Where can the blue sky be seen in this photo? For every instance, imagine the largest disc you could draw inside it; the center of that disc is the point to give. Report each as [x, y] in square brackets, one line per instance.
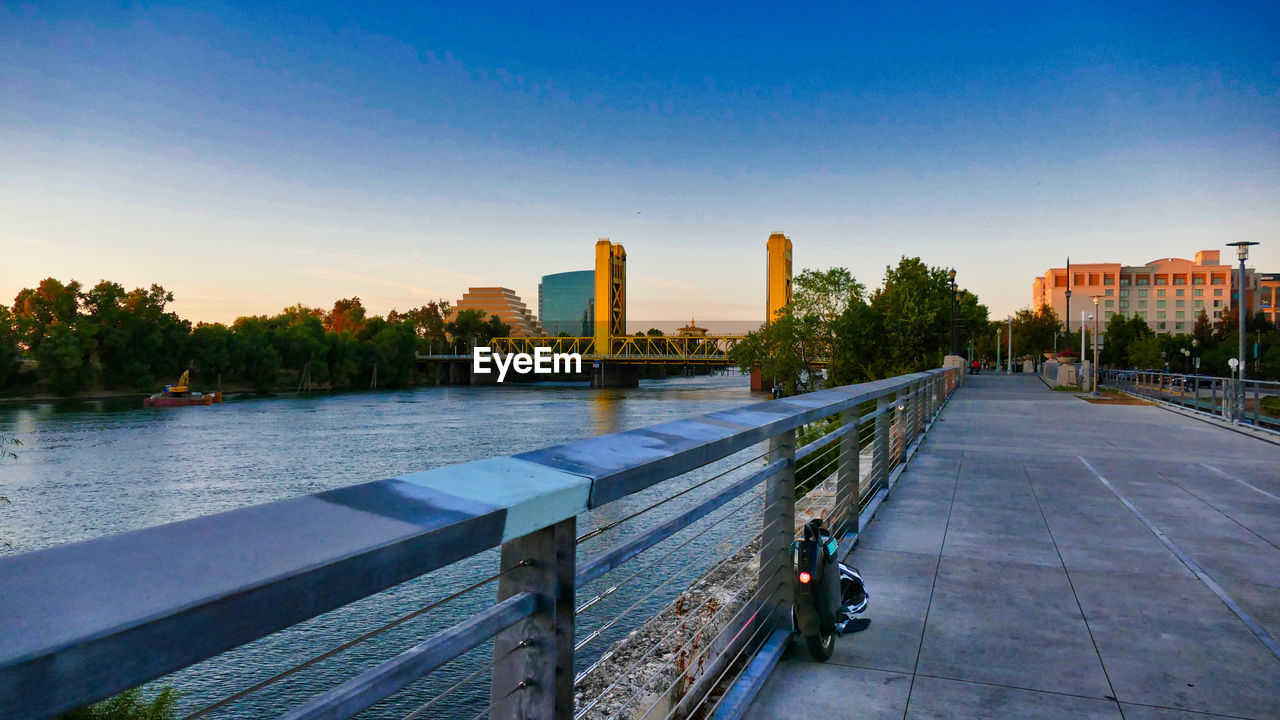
[249, 158]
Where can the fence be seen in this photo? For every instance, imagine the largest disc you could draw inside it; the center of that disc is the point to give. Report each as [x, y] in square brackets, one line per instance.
[682, 556]
[1220, 397]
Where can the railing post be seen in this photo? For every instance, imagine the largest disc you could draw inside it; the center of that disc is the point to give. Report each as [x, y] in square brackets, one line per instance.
[913, 411]
[880, 456]
[779, 529]
[848, 493]
[533, 659]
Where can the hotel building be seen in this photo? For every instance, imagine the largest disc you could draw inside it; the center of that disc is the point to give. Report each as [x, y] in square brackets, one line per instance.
[1168, 293]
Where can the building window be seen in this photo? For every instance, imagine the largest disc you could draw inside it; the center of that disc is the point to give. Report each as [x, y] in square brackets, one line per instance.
[1109, 291]
[1124, 292]
[1198, 293]
[1180, 314]
[1161, 303]
[1161, 326]
[1159, 314]
[1217, 303]
[1217, 293]
[1124, 281]
[1079, 279]
[1110, 303]
[1144, 281]
[1179, 281]
[1160, 293]
[1108, 280]
[1199, 303]
[1197, 280]
[1217, 315]
[1180, 303]
[1219, 280]
[1178, 326]
[1124, 303]
[1179, 293]
[1109, 314]
[1162, 281]
[1142, 303]
[1142, 293]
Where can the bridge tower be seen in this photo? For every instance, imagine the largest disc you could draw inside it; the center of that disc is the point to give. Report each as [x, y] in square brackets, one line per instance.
[777, 290]
[611, 295]
[777, 284]
[611, 316]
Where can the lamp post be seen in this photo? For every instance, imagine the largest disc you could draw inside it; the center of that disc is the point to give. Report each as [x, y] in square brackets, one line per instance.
[1242, 251]
[1010, 358]
[1094, 382]
[955, 342]
[1067, 314]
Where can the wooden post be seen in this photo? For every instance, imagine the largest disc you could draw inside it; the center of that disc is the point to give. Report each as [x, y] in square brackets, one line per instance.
[779, 527]
[848, 492]
[533, 659]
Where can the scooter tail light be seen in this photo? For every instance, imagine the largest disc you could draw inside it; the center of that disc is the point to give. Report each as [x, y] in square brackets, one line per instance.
[804, 577]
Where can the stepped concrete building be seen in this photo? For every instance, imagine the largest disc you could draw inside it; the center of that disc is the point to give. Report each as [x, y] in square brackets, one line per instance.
[502, 302]
[1168, 293]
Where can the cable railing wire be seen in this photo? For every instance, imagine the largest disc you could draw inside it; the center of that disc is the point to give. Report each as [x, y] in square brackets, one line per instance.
[606, 528]
[345, 646]
[613, 589]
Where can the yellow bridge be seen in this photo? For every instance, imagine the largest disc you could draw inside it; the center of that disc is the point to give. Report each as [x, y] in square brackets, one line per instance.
[709, 350]
[614, 355]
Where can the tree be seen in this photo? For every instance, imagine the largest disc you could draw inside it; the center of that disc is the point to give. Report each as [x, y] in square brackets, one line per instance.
[8, 347]
[1122, 333]
[783, 350]
[1034, 331]
[347, 316]
[820, 297]
[1144, 353]
[1203, 330]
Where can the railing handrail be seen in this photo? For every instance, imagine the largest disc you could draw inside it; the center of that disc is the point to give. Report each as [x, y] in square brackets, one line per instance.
[88, 619]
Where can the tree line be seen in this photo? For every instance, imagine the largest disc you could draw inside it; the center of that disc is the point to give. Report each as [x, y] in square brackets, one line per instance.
[903, 326]
[63, 338]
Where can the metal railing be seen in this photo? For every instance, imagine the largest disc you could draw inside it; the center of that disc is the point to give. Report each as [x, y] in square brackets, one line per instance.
[685, 523]
[1216, 396]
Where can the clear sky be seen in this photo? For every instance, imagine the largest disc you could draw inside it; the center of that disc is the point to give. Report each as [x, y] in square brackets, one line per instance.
[248, 157]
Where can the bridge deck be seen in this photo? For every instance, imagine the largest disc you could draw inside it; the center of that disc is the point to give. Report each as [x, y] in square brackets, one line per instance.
[1008, 580]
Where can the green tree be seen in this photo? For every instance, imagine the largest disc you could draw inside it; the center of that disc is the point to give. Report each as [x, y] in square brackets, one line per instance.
[1144, 353]
[8, 347]
[783, 350]
[1122, 332]
[1034, 331]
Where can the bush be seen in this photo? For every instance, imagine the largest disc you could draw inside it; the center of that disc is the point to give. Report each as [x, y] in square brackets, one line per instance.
[1271, 405]
[129, 705]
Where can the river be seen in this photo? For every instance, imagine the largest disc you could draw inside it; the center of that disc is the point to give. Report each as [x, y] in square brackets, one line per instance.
[89, 469]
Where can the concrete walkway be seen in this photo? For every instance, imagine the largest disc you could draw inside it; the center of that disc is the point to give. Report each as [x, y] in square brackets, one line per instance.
[1019, 571]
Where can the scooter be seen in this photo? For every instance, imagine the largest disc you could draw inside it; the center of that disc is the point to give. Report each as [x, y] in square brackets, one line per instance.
[829, 595]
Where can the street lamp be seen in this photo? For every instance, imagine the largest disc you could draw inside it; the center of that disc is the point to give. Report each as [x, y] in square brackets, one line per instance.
[955, 341]
[1242, 251]
[1095, 346]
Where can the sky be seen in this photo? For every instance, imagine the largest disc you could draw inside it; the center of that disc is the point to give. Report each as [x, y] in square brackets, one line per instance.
[250, 157]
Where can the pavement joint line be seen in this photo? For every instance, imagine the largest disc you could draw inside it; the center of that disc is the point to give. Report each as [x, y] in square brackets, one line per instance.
[1242, 482]
[937, 568]
[1079, 606]
[1217, 509]
[1260, 632]
[1039, 691]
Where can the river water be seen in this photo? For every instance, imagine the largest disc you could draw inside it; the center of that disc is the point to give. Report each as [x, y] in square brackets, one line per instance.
[97, 468]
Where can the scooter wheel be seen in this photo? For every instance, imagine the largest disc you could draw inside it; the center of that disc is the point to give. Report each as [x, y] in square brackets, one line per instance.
[821, 646]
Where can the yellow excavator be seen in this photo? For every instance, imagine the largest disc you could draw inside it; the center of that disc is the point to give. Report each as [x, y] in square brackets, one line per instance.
[180, 395]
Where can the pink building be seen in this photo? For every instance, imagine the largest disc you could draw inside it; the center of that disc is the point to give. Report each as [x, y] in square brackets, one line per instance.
[1168, 293]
